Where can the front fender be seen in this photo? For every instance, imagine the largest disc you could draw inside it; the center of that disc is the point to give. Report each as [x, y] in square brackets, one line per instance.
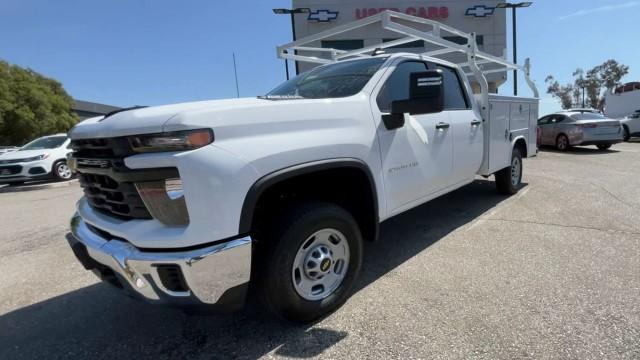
[265, 182]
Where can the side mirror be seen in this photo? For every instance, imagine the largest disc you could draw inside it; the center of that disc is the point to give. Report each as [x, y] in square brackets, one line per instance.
[426, 96]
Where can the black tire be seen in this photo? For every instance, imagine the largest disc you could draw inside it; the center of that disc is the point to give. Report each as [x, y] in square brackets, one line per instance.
[626, 135]
[505, 183]
[57, 172]
[276, 255]
[603, 147]
[562, 142]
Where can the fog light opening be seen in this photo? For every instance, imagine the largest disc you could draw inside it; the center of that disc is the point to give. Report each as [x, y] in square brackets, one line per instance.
[164, 199]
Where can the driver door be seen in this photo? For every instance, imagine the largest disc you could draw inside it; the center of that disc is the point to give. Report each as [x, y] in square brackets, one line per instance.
[417, 158]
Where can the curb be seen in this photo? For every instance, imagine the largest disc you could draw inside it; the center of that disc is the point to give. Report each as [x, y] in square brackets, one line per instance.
[53, 185]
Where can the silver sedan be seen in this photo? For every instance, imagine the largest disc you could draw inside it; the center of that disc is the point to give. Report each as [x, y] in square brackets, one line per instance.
[569, 128]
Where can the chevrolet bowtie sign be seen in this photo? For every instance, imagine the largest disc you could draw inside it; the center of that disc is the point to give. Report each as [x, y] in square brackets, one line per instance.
[480, 11]
[322, 15]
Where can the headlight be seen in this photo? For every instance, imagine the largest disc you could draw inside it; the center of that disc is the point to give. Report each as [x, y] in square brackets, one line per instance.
[172, 141]
[165, 201]
[36, 158]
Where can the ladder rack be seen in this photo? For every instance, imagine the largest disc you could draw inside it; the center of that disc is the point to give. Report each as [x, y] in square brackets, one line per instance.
[408, 26]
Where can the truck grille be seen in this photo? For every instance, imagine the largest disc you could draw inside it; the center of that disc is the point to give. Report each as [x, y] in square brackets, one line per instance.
[108, 184]
[118, 198]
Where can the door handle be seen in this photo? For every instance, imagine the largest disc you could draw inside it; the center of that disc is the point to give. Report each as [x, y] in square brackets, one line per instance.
[442, 125]
[476, 122]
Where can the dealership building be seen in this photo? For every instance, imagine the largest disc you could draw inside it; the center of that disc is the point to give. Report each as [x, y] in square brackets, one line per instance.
[481, 17]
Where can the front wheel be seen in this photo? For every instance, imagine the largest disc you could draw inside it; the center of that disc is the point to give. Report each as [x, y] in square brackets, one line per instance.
[603, 147]
[310, 262]
[508, 179]
[61, 171]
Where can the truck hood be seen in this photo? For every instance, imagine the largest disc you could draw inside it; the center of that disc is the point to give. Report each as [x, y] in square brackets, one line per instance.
[150, 119]
[228, 118]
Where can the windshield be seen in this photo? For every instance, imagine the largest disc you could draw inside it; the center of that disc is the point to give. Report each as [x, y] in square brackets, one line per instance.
[587, 116]
[330, 81]
[49, 142]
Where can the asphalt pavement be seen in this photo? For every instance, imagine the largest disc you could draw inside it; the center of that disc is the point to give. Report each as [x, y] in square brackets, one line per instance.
[552, 272]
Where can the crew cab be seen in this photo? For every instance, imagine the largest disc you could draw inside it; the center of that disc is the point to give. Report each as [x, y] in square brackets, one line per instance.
[192, 204]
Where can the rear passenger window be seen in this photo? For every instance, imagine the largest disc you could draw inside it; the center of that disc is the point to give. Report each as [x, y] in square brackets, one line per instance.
[454, 97]
[397, 85]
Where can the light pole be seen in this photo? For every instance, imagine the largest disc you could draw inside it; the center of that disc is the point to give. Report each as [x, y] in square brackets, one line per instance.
[513, 7]
[292, 13]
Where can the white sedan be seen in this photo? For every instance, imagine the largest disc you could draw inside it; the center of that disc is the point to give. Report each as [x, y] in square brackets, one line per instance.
[43, 158]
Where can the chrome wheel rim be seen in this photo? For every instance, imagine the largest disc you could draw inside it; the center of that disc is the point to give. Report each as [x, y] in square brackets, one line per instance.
[64, 171]
[321, 264]
[516, 169]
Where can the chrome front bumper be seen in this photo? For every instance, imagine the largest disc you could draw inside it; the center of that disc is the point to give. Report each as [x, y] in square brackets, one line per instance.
[213, 275]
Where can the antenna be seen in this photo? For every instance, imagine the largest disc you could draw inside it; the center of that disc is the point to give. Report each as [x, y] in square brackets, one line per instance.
[235, 71]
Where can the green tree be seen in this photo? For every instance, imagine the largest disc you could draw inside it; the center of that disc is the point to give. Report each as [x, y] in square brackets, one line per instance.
[592, 85]
[563, 93]
[31, 105]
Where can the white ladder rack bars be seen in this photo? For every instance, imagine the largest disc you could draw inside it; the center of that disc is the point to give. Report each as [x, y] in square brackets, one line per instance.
[293, 50]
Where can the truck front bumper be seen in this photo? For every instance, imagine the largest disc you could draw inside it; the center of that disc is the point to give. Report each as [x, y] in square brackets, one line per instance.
[212, 275]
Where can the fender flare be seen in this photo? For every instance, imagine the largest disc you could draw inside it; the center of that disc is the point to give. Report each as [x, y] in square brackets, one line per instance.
[515, 140]
[265, 182]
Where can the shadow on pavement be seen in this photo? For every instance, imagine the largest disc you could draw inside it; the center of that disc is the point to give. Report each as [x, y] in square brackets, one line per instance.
[581, 150]
[99, 322]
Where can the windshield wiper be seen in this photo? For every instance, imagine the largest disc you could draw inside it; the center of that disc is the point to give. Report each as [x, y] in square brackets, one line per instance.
[280, 97]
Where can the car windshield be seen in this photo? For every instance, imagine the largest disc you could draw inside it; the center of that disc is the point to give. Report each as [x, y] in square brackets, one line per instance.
[587, 116]
[330, 81]
[49, 142]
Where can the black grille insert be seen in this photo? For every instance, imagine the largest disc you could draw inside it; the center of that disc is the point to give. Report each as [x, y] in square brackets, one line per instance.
[120, 199]
[108, 183]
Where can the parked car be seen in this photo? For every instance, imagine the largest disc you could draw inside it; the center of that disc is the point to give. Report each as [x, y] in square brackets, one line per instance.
[185, 204]
[571, 128]
[631, 125]
[43, 158]
[588, 110]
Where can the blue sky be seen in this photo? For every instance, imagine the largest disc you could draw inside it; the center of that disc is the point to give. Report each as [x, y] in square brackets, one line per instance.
[150, 52]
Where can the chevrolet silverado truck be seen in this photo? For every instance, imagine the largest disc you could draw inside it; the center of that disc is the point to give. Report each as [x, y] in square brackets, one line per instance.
[193, 204]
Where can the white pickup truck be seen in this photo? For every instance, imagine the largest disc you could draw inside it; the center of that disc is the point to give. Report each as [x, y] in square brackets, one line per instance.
[192, 204]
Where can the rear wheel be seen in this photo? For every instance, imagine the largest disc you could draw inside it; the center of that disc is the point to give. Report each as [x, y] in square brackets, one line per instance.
[309, 263]
[62, 171]
[603, 147]
[508, 179]
[562, 142]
